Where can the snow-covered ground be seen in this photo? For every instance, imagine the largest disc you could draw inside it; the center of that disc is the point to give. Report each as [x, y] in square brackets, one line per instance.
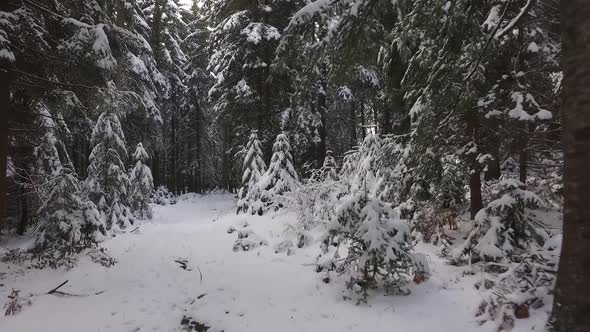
[257, 290]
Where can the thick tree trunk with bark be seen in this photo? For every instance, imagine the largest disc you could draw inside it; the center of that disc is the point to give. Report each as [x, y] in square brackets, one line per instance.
[394, 104]
[472, 133]
[571, 310]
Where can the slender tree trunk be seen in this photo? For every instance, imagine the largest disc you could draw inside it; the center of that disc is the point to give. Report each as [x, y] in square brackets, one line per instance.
[352, 123]
[475, 194]
[321, 150]
[523, 159]
[475, 176]
[24, 217]
[571, 309]
[6, 78]
[523, 155]
[363, 123]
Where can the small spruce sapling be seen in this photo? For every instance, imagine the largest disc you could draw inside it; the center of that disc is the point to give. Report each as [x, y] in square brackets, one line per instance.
[142, 184]
[107, 184]
[253, 168]
[281, 176]
[378, 242]
[505, 225]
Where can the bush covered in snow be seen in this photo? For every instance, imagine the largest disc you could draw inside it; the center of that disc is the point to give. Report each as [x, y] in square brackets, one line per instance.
[514, 289]
[377, 242]
[163, 197]
[504, 226]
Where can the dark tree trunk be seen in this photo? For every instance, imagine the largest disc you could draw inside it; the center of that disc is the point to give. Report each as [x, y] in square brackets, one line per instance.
[226, 167]
[6, 78]
[174, 155]
[523, 165]
[321, 149]
[493, 172]
[475, 194]
[157, 28]
[24, 217]
[394, 104]
[571, 309]
[352, 124]
[494, 142]
[475, 176]
[523, 156]
[363, 122]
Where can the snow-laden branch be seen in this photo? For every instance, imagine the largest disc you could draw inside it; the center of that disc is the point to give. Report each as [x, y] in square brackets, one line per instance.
[515, 20]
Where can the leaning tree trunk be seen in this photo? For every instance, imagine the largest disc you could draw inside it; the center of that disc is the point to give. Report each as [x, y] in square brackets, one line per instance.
[571, 310]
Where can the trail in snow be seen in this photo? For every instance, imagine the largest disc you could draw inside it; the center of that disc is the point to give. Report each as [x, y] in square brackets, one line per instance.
[258, 290]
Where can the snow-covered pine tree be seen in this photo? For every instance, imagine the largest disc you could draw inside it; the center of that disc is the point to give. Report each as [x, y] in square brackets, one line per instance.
[249, 196]
[65, 221]
[281, 176]
[142, 184]
[329, 170]
[505, 226]
[379, 243]
[107, 184]
[349, 164]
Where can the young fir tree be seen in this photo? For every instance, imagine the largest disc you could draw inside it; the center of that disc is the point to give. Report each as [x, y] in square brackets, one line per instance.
[505, 226]
[328, 171]
[66, 223]
[142, 184]
[249, 196]
[281, 176]
[378, 241]
[107, 184]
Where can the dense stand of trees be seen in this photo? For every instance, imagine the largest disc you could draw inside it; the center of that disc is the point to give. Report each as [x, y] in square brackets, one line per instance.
[458, 95]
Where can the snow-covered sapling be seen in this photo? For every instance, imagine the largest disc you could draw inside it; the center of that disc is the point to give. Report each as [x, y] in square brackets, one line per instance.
[378, 242]
[281, 176]
[107, 184]
[506, 224]
[253, 167]
[142, 184]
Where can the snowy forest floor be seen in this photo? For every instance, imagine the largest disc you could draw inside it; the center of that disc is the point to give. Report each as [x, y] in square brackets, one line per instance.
[256, 290]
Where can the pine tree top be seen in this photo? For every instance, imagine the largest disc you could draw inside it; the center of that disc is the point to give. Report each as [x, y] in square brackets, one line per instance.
[140, 153]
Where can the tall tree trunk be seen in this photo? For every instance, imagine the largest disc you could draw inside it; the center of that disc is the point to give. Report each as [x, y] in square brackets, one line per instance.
[394, 102]
[352, 124]
[523, 155]
[475, 176]
[6, 78]
[363, 122]
[174, 157]
[493, 171]
[572, 295]
[523, 160]
[321, 149]
[494, 141]
[24, 217]
[157, 28]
